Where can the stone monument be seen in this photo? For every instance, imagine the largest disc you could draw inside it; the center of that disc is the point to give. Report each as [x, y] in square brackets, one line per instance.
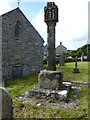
[51, 17]
[88, 56]
[82, 57]
[6, 109]
[76, 70]
[61, 60]
[50, 81]
[50, 78]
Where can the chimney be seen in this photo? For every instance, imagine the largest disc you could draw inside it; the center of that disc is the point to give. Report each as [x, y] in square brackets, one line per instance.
[60, 43]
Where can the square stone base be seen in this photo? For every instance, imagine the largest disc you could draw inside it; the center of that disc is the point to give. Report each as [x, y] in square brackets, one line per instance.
[50, 79]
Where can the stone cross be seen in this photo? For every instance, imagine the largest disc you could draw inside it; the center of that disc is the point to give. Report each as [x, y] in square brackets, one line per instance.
[76, 70]
[6, 109]
[51, 17]
[75, 62]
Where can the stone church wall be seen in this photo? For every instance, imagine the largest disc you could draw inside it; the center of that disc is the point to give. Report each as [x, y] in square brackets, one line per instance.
[26, 51]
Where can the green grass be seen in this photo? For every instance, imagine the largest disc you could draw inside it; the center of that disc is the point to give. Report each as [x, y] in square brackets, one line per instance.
[68, 71]
[19, 86]
[16, 87]
[26, 110]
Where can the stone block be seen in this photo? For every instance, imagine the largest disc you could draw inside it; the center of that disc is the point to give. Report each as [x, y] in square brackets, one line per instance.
[67, 85]
[6, 109]
[50, 79]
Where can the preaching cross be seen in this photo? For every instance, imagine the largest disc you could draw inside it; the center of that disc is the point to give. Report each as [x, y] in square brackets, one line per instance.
[51, 17]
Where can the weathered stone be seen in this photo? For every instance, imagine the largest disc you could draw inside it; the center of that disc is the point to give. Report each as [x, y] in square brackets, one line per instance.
[67, 85]
[61, 60]
[63, 94]
[76, 70]
[50, 79]
[76, 90]
[88, 57]
[19, 36]
[6, 104]
[82, 57]
[51, 17]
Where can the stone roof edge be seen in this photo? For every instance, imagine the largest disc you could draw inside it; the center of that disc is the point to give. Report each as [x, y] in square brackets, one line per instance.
[25, 18]
[60, 45]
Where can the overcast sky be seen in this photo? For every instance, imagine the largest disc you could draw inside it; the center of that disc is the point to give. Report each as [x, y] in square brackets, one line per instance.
[72, 28]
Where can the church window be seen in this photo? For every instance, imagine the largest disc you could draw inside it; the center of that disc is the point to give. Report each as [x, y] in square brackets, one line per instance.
[17, 30]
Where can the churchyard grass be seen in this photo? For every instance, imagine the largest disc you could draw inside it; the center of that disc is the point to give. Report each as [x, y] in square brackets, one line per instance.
[26, 110]
[16, 87]
[19, 86]
[68, 71]
[68, 74]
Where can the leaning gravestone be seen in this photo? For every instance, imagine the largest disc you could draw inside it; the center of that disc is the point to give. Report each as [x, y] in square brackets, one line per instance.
[61, 60]
[6, 110]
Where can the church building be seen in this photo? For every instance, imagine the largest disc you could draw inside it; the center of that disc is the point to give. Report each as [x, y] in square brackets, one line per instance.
[22, 46]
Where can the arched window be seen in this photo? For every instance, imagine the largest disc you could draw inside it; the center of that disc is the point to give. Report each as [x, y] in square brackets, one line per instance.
[17, 30]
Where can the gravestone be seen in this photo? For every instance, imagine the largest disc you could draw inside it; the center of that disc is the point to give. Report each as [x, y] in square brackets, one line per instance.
[6, 110]
[88, 57]
[82, 57]
[76, 70]
[61, 60]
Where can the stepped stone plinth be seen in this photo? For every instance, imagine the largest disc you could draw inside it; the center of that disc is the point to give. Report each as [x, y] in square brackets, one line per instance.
[50, 79]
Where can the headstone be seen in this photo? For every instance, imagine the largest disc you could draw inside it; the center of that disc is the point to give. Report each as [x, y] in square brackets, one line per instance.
[6, 111]
[51, 17]
[76, 70]
[61, 60]
[88, 57]
[82, 57]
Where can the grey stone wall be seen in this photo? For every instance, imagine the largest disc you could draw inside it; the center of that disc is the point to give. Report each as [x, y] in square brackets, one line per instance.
[27, 51]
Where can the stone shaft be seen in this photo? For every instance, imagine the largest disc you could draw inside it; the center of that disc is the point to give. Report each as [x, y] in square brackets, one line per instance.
[51, 48]
[76, 63]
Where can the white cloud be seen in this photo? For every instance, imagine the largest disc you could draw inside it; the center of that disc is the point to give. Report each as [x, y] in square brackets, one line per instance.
[4, 6]
[40, 25]
[72, 25]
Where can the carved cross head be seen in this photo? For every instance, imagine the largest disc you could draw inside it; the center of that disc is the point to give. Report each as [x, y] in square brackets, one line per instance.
[51, 12]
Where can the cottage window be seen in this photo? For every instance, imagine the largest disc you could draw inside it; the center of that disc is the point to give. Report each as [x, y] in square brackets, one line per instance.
[17, 30]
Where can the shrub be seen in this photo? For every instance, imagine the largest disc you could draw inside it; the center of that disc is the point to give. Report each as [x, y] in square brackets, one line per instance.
[44, 60]
[69, 59]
